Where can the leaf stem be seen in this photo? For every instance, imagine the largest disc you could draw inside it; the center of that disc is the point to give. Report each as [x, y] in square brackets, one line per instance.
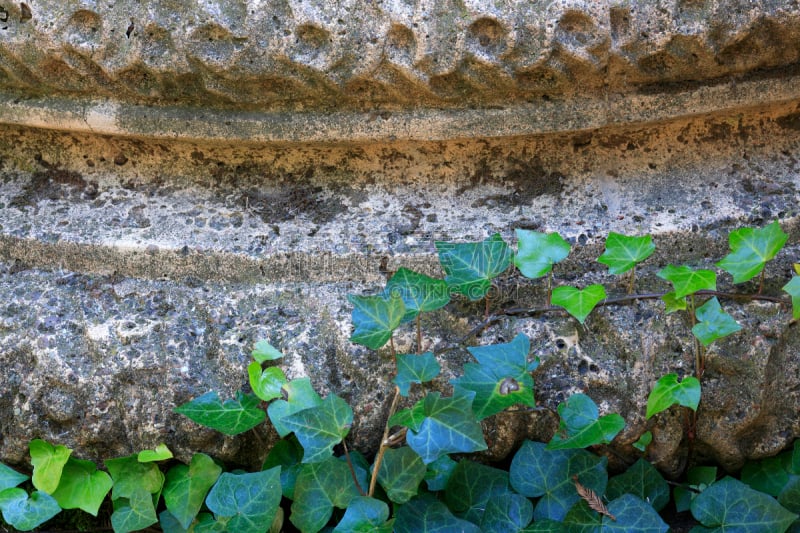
[391, 346]
[632, 280]
[761, 282]
[419, 335]
[549, 288]
[385, 445]
[352, 470]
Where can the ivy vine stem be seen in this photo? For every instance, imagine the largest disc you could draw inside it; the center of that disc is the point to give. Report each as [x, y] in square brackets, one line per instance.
[419, 335]
[352, 470]
[385, 443]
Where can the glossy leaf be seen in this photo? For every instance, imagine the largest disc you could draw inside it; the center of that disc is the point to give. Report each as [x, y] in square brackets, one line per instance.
[439, 472]
[687, 281]
[365, 515]
[401, 473]
[668, 391]
[511, 512]
[766, 475]
[420, 293]
[131, 476]
[672, 303]
[320, 428]
[581, 426]
[186, 487]
[471, 267]
[25, 512]
[427, 514]
[623, 252]
[413, 368]
[632, 515]
[751, 248]
[161, 453]
[10, 478]
[134, 513]
[264, 351]
[730, 505]
[644, 441]
[48, 461]
[472, 486]
[642, 480]
[713, 323]
[537, 252]
[578, 303]
[300, 395]
[319, 488]
[82, 486]
[375, 318]
[266, 383]
[288, 454]
[230, 417]
[793, 290]
[248, 501]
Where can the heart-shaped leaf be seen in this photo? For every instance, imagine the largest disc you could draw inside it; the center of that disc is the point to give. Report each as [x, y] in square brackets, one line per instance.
[793, 290]
[730, 505]
[581, 426]
[426, 513]
[25, 513]
[82, 486]
[538, 252]
[509, 512]
[301, 395]
[632, 515]
[264, 351]
[687, 281]
[10, 478]
[672, 303]
[420, 293]
[415, 369]
[248, 501]
[751, 248]
[267, 383]
[186, 487]
[319, 488]
[623, 252]
[161, 453]
[365, 515]
[48, 461]
[133, 513]
[471, 267]
[402, 470]
[130, 476]
[642, 480]
[578, 303]
[668, 391]
[320, 428]
[471, 489]
[375, 318]
[231, 417]
[713, 323]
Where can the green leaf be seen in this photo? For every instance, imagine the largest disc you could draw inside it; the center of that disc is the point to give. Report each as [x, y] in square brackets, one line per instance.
[186, 487]
[375, 318]
[231, 417]
[169, 523]
[10, 478]
[544, 526]
[687, 281]
[420, 293]
[48, 462]
[415, 369]
[766, 475]
[644, 441]
[538, 472]
[632, 515]
[249, 501]
[699, 478]
[623, 253]
[206, 524]
[402, 470]
[449, 426]
[790, 495]
[642, 480]
[161, 453]
[264, 351]
[266, 384]
[730, 505]
[365, 515]
[439, 473]
[25, 513]
[472, 486]
[672, 303]
[288, 454]
[793, 289]
[501, 378]
[581, 426]
[668, 391]
[538, 252]
[131, 476]
[319, 488]
[134, 513]
[471, 267]
[713, 323]
[510, 512]
[301, 395]
[427, 514]
[751, 248]
[321, 428]
[82, 486]
[578, 303]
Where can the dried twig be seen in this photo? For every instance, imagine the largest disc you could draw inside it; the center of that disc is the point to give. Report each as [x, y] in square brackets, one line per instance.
[591, 497]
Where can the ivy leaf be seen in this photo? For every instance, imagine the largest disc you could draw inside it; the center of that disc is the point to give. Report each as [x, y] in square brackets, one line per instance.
[510, 512]
[426, 513]
[623, 252]
[439, 473]
[186, 487]
[766, 475]
[449, 426]
[411, 418]
[420, 293]
[642, 480]
[288, 454]
[266, 384]
[793, 289]
[581, 426]
[25, 513]
[82, 486]
[375, 318]
[249, 501]
[161, 453]
[472, 486]
[632, 514]
[790, 495]
[402, 470]
[713, 322]
[730, 505]
[415, 369]
[131, 476]
[578, 303]
[672, 303]
[751, 248]
[320, 428]
[319, 488]
[133, 513]
[231, 417]
[699, 478]
[501, 378]
[48, 462]
[668, 391]
[365, 515]
[644, 441]
[538, 472]
[10, 478]
[471, 267]
[687, 281]
[301, 395]
[538, 252]
[264, 351]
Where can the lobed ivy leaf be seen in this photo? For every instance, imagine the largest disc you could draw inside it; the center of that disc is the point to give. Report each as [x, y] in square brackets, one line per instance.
[401, 473]
[471, 267]
[131, 476]
[319, 488]
[510, 512]
[687, 281]
[420, 293]
[413, 368]
[672, 303]
[300, 395]
[10, 478]
[439, 472]
[375, 318]
[644, 441]
[766, 475]
[793, 290]
[642, 480]
[730, 505]
[264, 351]
[266, 383]
[82, 486]
[23, 512]
[578, 303]
[248, 501]
[713, 323]
[161, 453]
[230, 417]
[501, 378]
[538, 252]
[320, 428]
[48, 462]
[472, 486]
[699, 478]
[668, 391]
[581, 426]
[751, 248]
[186, 487]
[427, 514]
[623, 252]
[632, 514]
[133, 513]
[288, 454]
[365, 515]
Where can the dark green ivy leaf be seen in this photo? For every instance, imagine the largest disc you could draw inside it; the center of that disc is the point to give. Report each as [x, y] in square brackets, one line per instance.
[632, 515]
[301, 395]
[766, 475]
[288, 454]
[365, 515]
[413, 368]
[186, 487]
[10, 478]
[472, 486]
[687, 281]
[668, 391]
[25, 513]
[320, 428]
[751, 248]
[623, 252]
[790, 495]
[82, 486]
[793, 289]
[581, 426]
[319, 488]
[231, 417]
[642, 480]
[420, 293]
[375, 318]
[699, 478]
[426, 514]
[249, 501]
[439, 473]
[538, 252]
[713, 323]
[402, 470]
[511, 512]
[578, 303]
[471, 267]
